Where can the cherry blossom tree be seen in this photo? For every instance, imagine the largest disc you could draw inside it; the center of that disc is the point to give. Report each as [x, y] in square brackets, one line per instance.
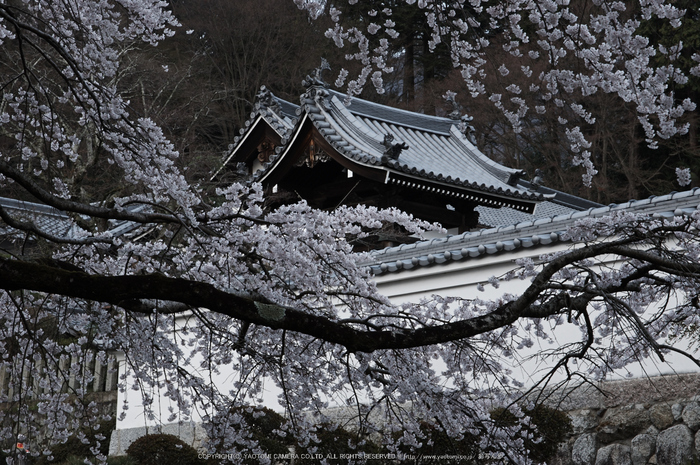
[207, 283]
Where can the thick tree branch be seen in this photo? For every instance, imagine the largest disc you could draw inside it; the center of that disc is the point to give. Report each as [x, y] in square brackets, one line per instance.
[31, 227]
[81, 208]
[136, 293]
[130, 292]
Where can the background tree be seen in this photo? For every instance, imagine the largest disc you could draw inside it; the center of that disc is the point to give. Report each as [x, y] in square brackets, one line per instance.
[200, 84]
[246, 45]
[287, 301]
[403, 31]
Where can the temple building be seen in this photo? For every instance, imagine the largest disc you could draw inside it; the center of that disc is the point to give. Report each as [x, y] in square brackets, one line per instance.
[332, 150]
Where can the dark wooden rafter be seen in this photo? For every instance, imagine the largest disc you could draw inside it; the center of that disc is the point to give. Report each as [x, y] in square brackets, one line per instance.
[455, 194]
[463, 218]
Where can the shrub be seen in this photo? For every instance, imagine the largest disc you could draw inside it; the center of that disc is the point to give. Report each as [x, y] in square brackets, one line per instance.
[121, 460]
[157, 449]
[553, 428]
[74, 460]
[264, 424]
[74, 447]
[438, 443]
[336, 440]
[63, 452]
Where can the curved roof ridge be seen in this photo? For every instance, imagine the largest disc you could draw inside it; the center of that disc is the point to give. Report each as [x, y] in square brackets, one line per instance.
[242, 134]
[356, 128]
[276, 121]
[280, 151]
[488, 164]
[524, 234]
[272, 109]
[387, 113]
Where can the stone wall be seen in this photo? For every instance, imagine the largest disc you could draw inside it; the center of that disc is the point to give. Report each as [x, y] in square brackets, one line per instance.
[104, 377]
[633, 422]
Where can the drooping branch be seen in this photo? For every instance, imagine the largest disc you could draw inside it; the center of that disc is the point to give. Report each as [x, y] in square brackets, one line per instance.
[8, 13]
[133, 293]
[32, 228]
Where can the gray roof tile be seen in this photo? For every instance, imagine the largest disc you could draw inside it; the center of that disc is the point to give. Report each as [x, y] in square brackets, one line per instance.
[541, 231]
[52, 221]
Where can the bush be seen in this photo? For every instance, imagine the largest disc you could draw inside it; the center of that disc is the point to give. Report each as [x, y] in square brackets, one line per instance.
[120, 460]
[438, 443]
[75, 448]
[553, 428]
[62, 453]
[336, 440]
[264, 424]
[157, 449]
[74, 460]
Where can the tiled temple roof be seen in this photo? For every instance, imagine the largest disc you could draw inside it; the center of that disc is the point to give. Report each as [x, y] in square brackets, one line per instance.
[430, 153]
[504, 239]
[561, 204]
[51, 221]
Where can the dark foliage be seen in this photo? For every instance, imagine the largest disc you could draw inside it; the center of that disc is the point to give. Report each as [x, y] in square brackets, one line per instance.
[438, 443]
[157, 449]
[334, 441]
[74, 447]
[265, 426]
[552, 427]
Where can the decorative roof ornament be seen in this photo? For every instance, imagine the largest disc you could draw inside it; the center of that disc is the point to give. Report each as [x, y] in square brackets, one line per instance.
[466, 128]
[316, 76]
[265, 99]
[265, 150]
[538, 180]
[456, 107]
[313, 155]
[392, 151]
[242, 170]
[513, 178]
